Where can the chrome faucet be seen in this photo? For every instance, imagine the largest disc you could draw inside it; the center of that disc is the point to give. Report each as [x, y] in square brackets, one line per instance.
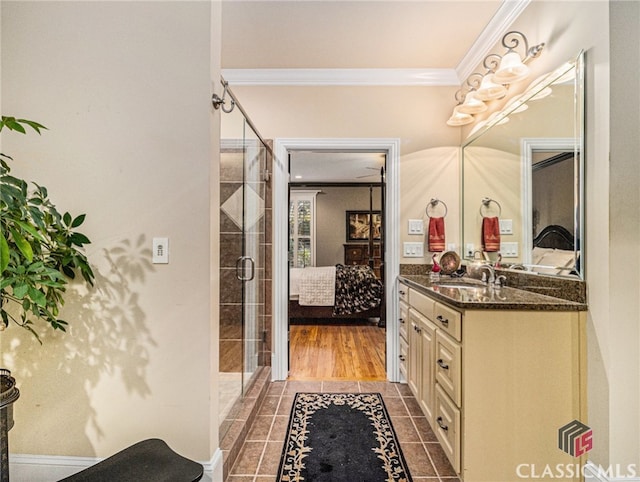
[492, 274]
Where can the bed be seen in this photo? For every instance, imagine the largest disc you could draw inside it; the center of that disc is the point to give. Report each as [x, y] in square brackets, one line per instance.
[554, 251]
[335, 292]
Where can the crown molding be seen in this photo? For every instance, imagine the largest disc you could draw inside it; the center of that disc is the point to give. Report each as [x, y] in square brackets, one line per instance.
[504, 17]
[353, 77]
[499, 24]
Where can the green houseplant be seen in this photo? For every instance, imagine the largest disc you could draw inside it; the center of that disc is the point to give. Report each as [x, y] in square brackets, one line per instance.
[40, 248]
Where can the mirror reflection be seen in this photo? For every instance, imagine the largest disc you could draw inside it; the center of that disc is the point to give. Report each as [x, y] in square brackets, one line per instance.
[522, 179]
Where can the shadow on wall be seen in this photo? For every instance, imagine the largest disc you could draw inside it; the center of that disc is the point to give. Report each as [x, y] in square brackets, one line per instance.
[107, 336]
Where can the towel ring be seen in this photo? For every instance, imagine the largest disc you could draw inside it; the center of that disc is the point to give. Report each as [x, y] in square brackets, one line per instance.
[485, 204]
[433, 203]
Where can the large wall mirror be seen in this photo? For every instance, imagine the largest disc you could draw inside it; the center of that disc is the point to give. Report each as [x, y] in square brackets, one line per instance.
[524, 167]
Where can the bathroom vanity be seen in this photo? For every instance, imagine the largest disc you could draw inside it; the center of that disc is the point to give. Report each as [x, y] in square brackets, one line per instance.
[496, 371]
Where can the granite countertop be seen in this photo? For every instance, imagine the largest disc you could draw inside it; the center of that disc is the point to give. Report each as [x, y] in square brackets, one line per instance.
[478, 296]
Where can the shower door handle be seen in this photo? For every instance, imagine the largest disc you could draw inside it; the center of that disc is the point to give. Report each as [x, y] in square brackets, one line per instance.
[240, 268]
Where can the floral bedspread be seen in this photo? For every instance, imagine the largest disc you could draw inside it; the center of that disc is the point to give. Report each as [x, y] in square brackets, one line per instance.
[357, 290]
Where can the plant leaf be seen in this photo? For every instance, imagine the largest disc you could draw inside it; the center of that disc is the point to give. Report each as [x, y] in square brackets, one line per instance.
[30, 229]
[78, 221]
[22, 244]
[20, 290]
[34, 125]
[4, 253]
[67, 219]
[37, 297]
[79, 239]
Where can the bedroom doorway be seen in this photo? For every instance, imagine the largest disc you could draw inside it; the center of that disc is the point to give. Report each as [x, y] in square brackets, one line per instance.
[280, 274]
[337, 328]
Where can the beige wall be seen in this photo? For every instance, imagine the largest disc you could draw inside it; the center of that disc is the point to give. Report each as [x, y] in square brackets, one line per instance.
[123, 88]
[424, 175]
[332, 203]
[353, 112]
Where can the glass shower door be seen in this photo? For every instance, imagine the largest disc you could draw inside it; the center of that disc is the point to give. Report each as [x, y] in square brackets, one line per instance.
[243, 160]
[251, 264]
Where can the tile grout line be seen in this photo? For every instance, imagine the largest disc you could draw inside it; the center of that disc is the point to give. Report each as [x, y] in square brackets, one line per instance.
[266, 441]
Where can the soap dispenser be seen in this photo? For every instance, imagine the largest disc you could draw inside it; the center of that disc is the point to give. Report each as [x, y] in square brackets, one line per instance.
[434, 275]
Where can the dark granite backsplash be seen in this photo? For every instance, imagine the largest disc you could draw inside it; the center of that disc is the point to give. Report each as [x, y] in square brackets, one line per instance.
[563, 288]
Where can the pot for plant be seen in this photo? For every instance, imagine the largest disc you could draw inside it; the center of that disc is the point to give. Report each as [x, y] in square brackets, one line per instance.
[9, 393]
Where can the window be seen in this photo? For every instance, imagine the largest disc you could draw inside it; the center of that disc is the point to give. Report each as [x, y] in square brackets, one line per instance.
[302, 229]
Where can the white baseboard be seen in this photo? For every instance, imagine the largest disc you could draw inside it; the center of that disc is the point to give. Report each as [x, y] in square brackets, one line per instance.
[45, 468]
[213, 468]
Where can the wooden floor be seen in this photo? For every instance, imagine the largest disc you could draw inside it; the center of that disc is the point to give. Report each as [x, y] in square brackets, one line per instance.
[337, 352]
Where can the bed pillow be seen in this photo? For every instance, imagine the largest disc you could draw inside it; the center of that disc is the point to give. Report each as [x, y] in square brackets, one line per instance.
[557, 258]
[538, 253]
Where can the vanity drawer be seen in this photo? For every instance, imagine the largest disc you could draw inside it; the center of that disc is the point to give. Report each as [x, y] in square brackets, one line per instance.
[403, 292]
[448, 356]
[447, 427]
[422, 303]
[403, 320]
[448, 319]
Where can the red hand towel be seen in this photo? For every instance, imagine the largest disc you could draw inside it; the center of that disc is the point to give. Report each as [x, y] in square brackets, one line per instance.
[491, 234]
[436, 234]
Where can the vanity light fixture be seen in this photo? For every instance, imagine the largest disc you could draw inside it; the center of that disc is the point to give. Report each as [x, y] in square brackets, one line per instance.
[492, 85]
[512, 68]
[459, 118]
[488, 89]
[471, 104]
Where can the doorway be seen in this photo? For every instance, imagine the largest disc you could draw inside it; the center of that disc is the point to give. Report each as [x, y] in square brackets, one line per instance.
[336, 259]
[390, 147]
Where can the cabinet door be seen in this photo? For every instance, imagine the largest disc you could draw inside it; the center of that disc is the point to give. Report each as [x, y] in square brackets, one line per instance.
[414, 367]
[427, 387]
[403, 320]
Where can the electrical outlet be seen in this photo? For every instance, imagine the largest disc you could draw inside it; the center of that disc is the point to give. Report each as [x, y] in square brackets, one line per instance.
[413, 250]
[509, 250]
[160, 251]
[470, 248]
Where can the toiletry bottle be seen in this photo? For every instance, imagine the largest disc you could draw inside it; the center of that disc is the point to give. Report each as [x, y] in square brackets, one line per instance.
[434, 275]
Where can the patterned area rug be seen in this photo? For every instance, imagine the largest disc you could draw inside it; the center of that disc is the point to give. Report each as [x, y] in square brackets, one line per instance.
[337, 437]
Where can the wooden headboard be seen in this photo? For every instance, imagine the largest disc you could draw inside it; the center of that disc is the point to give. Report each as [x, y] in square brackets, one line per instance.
[555, 236]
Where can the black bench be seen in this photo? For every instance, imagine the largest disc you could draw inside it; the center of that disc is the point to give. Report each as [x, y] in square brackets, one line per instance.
[148, 461]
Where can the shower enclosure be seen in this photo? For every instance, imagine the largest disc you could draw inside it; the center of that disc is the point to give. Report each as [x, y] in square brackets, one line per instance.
[243, 163]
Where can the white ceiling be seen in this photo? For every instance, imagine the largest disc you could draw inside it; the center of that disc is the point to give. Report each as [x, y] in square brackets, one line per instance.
[329, 166]
[361, 42]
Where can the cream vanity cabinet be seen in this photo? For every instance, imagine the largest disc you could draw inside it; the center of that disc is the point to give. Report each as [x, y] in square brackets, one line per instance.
[497, 385]
[403, 322]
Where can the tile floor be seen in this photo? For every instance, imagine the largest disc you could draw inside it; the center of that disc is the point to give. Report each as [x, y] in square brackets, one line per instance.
[259, 458]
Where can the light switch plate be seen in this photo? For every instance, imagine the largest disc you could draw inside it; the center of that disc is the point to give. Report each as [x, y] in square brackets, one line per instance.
[160, 251]
[413, 250]
[506, 226]
[416, 226]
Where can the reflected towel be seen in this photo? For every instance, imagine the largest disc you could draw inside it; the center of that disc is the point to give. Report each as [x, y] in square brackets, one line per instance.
[436, 234]
[491, 234]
